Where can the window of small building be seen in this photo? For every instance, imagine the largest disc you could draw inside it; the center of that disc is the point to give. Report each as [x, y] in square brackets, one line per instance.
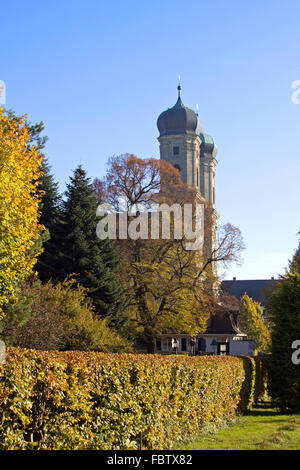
[175, 150]
[183, 344]
[201, 344]
[158, 345]
[223, 349]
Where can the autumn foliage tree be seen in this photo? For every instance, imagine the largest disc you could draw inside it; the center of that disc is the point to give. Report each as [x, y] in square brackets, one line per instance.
[252, 321]
[20, 169]
[166, 284]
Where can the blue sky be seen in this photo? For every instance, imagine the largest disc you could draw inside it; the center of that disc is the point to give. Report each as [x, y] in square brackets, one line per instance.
[99, 74]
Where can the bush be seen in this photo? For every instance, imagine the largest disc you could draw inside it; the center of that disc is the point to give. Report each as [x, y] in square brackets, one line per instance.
[261, 377]
[248, 386]
[77, 400]
[58, 317]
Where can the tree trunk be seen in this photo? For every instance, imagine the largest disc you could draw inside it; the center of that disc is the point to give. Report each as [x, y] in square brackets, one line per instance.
[149, 340]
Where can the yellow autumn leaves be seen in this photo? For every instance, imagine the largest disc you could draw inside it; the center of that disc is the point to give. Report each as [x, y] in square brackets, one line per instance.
[254, 324]
[97, 401]
[20, 165]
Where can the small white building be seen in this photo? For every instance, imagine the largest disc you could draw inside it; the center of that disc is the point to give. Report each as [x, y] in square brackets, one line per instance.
[223, 336]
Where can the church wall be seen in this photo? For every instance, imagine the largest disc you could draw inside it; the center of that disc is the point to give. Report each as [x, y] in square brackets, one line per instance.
[188, 158]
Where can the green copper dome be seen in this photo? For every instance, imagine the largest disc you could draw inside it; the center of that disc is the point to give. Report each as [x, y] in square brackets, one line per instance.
[208, 145]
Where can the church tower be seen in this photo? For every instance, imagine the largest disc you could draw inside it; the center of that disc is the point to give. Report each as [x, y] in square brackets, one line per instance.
[189, 150]
[193, 153]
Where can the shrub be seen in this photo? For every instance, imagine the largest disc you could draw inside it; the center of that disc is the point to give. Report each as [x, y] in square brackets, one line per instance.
[58, 317]
[248, 387]
[261, 378]
[79, 400]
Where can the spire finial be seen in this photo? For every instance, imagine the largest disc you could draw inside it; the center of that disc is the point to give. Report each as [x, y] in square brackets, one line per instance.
[179, 86]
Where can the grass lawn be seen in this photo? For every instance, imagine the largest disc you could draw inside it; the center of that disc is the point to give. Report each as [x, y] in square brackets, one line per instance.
[261, 429]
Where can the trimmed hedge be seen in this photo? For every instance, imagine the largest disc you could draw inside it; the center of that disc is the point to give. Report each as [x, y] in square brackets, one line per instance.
[247, 390]
[262, 366]
[83, 400]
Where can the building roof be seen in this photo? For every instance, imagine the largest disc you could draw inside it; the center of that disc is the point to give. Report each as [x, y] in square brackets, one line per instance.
[253, 288]
[178, 120]
[224, 323]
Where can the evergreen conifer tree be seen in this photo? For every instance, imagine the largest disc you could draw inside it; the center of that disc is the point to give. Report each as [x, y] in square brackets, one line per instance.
[294, 265]
[50, 217]
[284, 309]
[92, 261]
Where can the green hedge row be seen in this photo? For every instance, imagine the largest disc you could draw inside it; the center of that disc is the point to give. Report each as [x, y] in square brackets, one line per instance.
[261, 386]
[78, 400]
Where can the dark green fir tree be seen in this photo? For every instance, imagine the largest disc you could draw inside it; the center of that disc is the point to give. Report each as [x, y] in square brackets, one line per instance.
[92, 261]
[295, 262]
[284, 311]
[50, 210]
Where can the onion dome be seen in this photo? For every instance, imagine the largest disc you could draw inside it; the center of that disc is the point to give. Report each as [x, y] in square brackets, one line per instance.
[178, 120]
[208, 145]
